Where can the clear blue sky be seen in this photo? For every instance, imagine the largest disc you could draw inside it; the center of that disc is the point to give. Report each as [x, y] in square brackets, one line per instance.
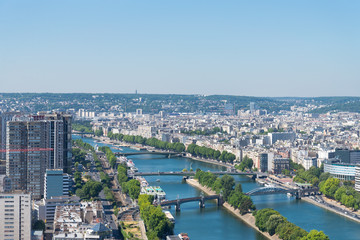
[253, 48]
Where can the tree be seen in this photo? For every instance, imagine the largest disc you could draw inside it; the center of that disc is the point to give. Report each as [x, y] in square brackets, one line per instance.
[132, 187]
[217, 185]
[330, 187]
[39, 225]
[274, 221]
[228, 184]
[238, 188]
[262, 216]
[158, 226]
[315, 235]
[245, 204]
[99, 132]
[246, 163]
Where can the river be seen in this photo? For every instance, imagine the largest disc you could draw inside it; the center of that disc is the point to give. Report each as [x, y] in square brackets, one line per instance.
[216, 223]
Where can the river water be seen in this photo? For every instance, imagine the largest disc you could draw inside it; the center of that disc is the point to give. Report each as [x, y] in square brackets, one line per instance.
[215, 223]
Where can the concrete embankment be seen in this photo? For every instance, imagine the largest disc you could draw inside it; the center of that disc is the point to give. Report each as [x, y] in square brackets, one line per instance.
[248, 218]
[329, 208]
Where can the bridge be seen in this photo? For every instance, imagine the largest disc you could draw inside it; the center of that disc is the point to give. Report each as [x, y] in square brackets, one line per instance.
[200, 199]
[82, 133]
[280, 190]
[192, 173]
[168, 154]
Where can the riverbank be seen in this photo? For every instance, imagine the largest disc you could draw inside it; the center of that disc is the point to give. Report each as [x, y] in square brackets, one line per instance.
[125, 144]
[248, 218]
[309, 200]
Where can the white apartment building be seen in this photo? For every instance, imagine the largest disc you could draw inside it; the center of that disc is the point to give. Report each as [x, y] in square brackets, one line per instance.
[308, 162]
[15, 216]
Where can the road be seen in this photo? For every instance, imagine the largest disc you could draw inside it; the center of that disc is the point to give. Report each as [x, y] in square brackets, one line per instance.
[318, 200]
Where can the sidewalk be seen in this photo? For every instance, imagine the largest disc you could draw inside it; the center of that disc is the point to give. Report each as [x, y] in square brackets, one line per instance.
[143, 230]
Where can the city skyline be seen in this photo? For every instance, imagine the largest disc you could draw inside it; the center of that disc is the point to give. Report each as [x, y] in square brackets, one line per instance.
[278, 49]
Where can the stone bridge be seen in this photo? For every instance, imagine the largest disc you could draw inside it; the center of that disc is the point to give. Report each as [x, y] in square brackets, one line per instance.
[200, 199]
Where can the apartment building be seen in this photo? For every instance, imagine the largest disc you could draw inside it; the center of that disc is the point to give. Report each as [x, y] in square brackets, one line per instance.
[15, 216]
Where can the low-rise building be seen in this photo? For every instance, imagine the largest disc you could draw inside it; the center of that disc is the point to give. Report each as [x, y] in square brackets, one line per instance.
[84, 221]
[342, 171]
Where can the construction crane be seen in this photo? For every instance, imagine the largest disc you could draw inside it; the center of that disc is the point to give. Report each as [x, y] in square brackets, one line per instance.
[27, 150]
[17, 148]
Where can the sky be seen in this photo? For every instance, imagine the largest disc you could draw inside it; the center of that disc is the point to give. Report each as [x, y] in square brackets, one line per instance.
[250, 48]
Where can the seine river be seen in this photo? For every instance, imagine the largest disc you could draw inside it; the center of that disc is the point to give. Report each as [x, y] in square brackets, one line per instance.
[216, 223]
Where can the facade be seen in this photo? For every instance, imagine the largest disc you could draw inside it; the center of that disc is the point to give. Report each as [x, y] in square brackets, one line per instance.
[357, 178]
[343, 155]
[264, 162]
[281, 136]
[15, 216]
[67, 182]
[54, 183]
[355, 156]
[66, 120]
[26, 168]
[5, 183]
[309, 162]
[146, 131]
[281, 164]
[4, 118]
[342, 171]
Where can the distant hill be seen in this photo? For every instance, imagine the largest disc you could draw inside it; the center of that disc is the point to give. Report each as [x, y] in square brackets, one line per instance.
[171, 103]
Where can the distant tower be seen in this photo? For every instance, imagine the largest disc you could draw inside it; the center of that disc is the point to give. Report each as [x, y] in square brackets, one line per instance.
[252, 107]
[136, 91]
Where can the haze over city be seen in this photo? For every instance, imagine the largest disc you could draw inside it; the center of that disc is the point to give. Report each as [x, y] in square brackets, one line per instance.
[252, 48]
[179, 120]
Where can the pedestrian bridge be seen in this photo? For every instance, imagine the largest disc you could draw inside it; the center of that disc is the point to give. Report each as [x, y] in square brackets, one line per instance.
[200, 199]
[280, 190]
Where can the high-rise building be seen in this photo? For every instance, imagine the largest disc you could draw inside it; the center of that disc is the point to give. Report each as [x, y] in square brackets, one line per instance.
[139, 111]
[4, 118]
[34, 144]
[15, 216]
[66, 120]
[252, 107]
